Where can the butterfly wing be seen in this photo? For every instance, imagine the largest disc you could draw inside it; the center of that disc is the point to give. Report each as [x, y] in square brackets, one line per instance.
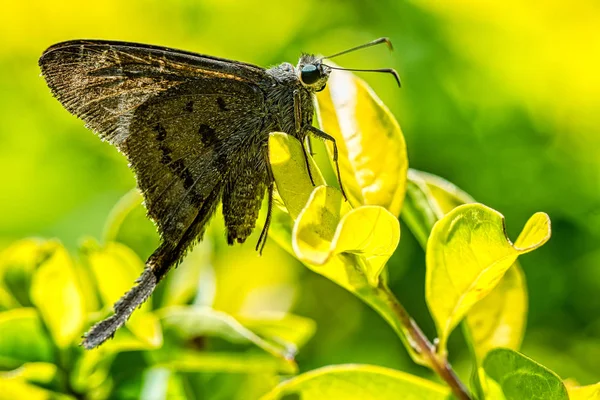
[104, 82]
[185, 122]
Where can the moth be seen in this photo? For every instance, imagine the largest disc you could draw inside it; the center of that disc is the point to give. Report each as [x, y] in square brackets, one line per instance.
[195, 130]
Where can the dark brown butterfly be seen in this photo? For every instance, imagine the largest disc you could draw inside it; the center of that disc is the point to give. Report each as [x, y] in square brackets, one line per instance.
[195, 130]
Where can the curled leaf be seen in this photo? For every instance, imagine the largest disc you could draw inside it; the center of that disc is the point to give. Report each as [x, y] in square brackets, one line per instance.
[499, 319]
[288, 163]
[327, 227]
[56, 294]
[467, 255]
[372, 151]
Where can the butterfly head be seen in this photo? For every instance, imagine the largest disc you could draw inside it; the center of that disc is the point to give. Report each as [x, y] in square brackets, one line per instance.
[312, 72]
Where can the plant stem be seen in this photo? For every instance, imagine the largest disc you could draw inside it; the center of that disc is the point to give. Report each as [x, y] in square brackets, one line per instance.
[421, 345]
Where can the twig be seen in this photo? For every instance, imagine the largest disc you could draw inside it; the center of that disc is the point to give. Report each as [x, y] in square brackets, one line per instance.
[423, 347]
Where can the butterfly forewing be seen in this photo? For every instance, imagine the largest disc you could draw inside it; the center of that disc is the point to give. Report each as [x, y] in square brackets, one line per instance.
[104, 82]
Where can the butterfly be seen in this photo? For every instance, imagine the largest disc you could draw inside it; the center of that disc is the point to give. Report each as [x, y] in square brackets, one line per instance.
[195, 130]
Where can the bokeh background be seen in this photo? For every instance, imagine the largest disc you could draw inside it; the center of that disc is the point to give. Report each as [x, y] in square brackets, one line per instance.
[501, 98]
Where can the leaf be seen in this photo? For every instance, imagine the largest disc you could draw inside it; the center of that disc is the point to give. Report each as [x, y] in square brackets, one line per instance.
[192, 322]
[288, 164]
[467, 255]
[282, 328]
[17, 265]
[372, 152]
[590, 392]
[17, 348]
[162, 383]
[499, 319]
[357, 382]
[56, 294]
[119, 213]
[327, 227]
[522, 378]
[229, 362]
[356, 270]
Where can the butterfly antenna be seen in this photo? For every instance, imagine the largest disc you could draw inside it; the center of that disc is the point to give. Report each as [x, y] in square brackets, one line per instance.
[363, 46]
[384, 70]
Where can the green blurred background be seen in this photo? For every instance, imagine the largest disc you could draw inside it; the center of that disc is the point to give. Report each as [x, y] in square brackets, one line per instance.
[501, 98]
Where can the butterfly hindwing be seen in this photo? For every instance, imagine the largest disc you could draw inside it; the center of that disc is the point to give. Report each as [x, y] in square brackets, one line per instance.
[188, 142]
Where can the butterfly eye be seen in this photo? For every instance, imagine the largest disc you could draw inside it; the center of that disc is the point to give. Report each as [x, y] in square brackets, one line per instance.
[310, 74]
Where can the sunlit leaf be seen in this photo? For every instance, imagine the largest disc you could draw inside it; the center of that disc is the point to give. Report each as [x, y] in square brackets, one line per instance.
[281, 328]
[522, 378]
[314, 236]
[327, 227]
[33, 372]
[231, 362]
[31, 381]
[357, 382]
[162, 383]
[467, 255]
[288, 164]
[11, 389]
[119, 212]
[16, 347]
[145, 326]
[91, 369]
[372, 152]
[499, 319]
[56, 294]
[192, 322]
[590, 392]
[17, 265]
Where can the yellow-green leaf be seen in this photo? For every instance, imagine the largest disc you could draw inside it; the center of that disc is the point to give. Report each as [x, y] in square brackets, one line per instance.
[372, 152]
[288, 164]
[192, 322]
[357, 382]
[499, 319]
[145, 326]
[328, 227]
[520, 377]
[283, 328]
[590, 392]
[16, 348]
[230, 362]
[56, 294]
[314, 235]
[467, 255]
[17, 265]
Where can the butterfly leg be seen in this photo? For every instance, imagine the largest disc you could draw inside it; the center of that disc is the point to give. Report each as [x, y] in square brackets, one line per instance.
[298, 134]
[262, 240]
[319, 133]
